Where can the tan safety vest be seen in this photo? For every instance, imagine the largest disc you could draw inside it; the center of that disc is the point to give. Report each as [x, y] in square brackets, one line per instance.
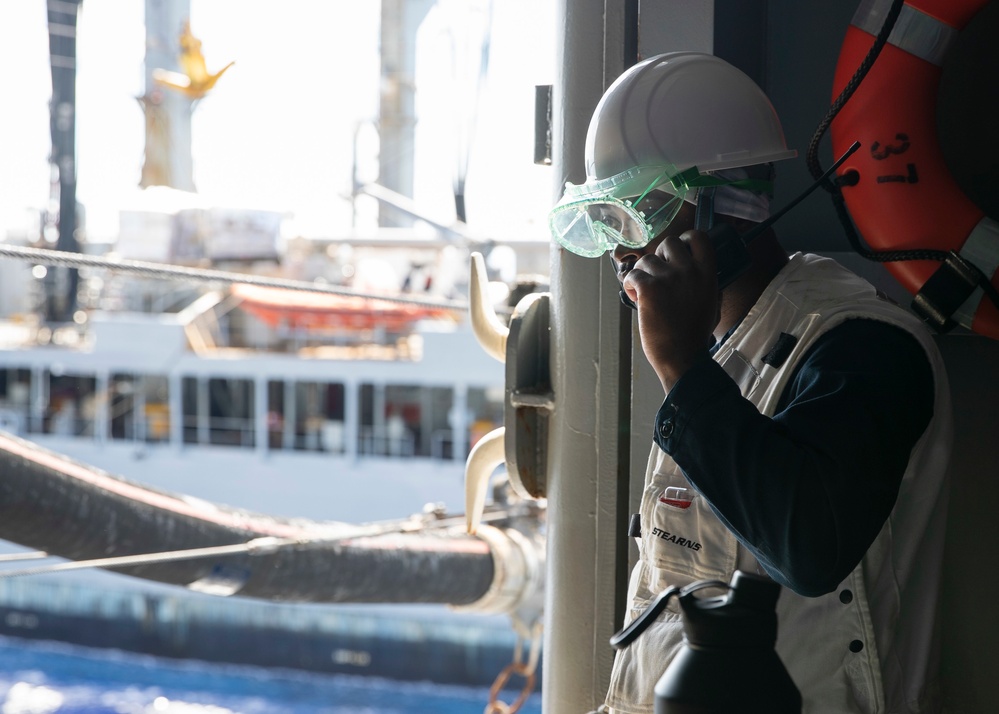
[868, 647]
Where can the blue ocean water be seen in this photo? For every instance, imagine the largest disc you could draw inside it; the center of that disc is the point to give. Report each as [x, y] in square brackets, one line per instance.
[48, 678]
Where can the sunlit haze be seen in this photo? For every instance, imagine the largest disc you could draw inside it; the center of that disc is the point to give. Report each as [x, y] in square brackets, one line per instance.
[278, 130]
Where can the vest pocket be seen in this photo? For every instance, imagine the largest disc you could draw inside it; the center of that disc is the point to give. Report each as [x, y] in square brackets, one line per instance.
[683, 538]
[638, 667]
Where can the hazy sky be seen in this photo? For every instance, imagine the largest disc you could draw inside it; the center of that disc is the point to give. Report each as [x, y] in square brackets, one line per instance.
[278, 129]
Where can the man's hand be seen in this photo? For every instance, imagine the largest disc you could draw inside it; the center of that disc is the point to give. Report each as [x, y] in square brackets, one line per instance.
[678, 304]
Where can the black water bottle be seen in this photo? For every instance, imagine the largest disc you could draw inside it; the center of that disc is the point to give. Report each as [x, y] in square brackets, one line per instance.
[727, 663]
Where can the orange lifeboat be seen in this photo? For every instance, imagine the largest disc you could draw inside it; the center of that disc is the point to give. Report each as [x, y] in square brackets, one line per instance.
[906, 197]
[324, 311]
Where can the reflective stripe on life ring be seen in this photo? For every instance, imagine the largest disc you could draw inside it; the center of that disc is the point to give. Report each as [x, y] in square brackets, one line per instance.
[906, 198]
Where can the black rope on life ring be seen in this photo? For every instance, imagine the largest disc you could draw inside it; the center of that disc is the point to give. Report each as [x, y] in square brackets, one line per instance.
[850, 178]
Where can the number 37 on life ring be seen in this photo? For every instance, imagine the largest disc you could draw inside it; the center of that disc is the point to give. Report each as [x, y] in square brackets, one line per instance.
[906, 197]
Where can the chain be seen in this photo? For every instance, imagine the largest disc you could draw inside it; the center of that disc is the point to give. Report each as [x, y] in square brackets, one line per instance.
[519, 667]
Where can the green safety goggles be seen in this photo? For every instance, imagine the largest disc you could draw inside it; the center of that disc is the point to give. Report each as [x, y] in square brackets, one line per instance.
[628, 209]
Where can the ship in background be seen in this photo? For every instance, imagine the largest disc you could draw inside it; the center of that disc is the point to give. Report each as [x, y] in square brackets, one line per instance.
[358, 404]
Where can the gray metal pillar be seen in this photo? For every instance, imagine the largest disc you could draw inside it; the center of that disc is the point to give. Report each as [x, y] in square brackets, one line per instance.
[397, 113]
[584, 566]
[175, 396]
[101, 407]
[459, 422]
[61, 283]
[596, 462]
[167, 159]
[260, 406]
[138, 408]
[379, 440]
[290, 415]
[203, 410]
[351, 418]
[39, 399]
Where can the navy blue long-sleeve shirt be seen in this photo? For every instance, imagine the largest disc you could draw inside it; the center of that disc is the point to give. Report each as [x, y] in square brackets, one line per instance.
[807, 490]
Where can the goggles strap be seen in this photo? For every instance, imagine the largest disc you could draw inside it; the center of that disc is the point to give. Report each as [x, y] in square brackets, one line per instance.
[692, 178]
[704, 213]
[658, 182]
[658, 211]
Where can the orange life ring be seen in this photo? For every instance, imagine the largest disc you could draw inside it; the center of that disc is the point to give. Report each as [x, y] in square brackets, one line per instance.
[906, 197]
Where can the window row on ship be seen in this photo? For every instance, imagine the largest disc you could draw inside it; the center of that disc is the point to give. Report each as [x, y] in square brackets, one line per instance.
[362, 418]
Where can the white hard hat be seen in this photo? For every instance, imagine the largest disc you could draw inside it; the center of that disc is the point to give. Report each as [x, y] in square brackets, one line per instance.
[682, 109]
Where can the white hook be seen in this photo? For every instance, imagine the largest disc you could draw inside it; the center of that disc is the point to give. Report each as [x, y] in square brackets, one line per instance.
[490, 332]
[488, 453]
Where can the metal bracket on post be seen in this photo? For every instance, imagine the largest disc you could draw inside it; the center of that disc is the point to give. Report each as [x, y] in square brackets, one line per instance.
[529, 400]
[529, 396]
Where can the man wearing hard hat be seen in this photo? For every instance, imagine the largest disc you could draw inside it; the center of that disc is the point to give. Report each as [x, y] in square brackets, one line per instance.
[805, 430]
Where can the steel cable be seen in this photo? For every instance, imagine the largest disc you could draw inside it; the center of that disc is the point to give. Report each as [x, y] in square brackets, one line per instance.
[165, 271]
[257, 546]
